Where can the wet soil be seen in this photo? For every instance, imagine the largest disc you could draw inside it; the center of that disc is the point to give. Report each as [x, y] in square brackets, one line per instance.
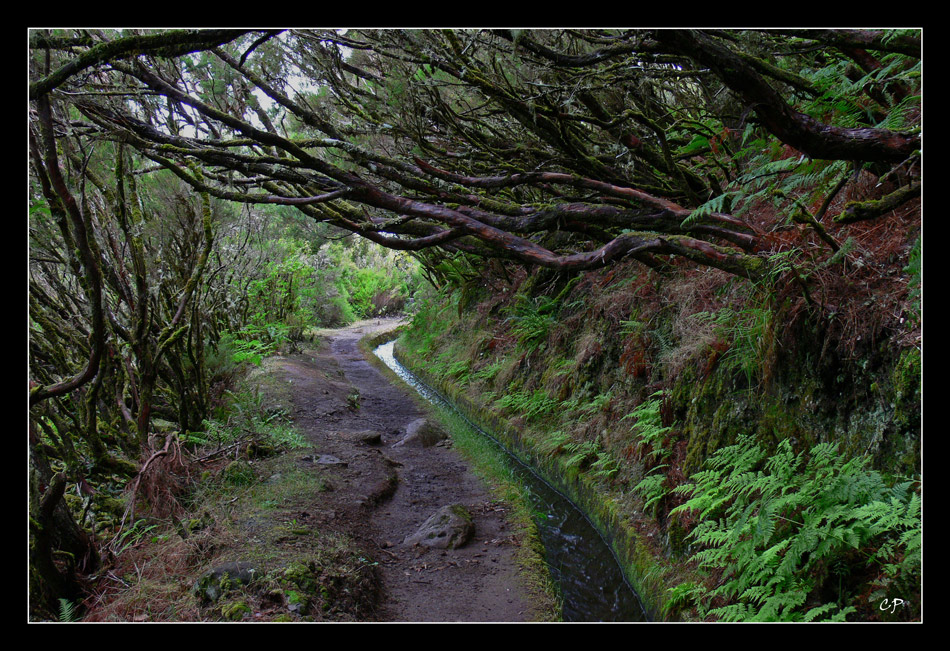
[380, 494]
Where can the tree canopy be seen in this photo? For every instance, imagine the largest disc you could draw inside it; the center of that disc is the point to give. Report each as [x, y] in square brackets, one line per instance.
[563, 148]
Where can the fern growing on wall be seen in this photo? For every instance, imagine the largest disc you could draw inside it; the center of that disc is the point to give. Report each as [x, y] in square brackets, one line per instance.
[746, 329]
[651, 488]
[532, 319]
[648, 425]
[774, 525]
[532, 405]
[649, 429]
[606, 466]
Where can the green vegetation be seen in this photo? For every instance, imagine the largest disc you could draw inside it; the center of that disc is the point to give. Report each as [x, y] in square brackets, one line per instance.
[67, 610]
[648, 426]
[795, 536]
[532, 320]
[715, 232]
[836, 537]
[244, 415]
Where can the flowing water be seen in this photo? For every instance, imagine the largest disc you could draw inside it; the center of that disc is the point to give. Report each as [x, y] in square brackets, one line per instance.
[591, 583]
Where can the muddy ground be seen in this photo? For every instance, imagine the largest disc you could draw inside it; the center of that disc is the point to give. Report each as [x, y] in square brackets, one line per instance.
[378, 493]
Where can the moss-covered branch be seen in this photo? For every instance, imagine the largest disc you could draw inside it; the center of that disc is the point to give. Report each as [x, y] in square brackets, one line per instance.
[856, 211]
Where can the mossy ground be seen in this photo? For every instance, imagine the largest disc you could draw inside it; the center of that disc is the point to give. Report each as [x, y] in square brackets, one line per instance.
[258, 515]
[252, 505]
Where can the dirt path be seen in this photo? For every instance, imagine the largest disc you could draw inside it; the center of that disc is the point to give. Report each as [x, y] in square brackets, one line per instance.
[380, 494]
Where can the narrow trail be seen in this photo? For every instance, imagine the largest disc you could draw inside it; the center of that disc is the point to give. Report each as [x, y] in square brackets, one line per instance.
[381, 494]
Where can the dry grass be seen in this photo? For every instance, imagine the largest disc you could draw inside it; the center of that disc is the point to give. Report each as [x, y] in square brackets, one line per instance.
[150, 580]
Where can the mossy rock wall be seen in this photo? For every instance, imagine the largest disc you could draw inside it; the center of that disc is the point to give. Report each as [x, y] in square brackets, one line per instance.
[868, 406]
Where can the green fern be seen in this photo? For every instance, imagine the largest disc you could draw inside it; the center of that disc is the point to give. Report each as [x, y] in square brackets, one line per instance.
[533, 405]
[488, 372]
[682, 595]
[714, 205]
[746, 329]
[771, 523]
[651, 488]
[579, 453]
[459, 370]
[648, 425]
[606, 466]
[554, 442]
[67, 611]
[597, 403]
[533, 319]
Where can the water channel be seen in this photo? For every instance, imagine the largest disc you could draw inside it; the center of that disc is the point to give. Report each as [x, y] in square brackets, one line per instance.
[591, 583]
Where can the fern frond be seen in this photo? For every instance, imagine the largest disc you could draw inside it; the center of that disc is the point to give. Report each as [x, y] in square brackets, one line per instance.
[769, 524]
[714, 205]
[67, 610]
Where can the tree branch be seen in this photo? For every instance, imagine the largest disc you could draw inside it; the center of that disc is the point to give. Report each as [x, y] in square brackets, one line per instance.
[168, 44]
[801, 131]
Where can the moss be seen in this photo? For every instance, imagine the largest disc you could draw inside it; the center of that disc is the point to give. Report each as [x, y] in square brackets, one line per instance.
[218, 582]
[74, 502]
[778, 421]
[235, 611]
[238, 473]
[872, 208]
[907, 376]
[907, 383]
[461, 512]
[302, 575]
[112, 505]
[677, 537]
[712, 413]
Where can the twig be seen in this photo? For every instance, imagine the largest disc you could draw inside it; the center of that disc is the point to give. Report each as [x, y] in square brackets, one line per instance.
[130, 511]
[223, 450]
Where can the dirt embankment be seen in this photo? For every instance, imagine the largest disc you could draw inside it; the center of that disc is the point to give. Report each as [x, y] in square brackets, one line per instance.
[379, 493]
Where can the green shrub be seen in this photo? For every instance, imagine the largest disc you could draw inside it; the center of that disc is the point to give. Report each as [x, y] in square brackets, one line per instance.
[238, 473]
[243, 347]
[364, 281]
[746, 328]
[284, 296]
[244, 415]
